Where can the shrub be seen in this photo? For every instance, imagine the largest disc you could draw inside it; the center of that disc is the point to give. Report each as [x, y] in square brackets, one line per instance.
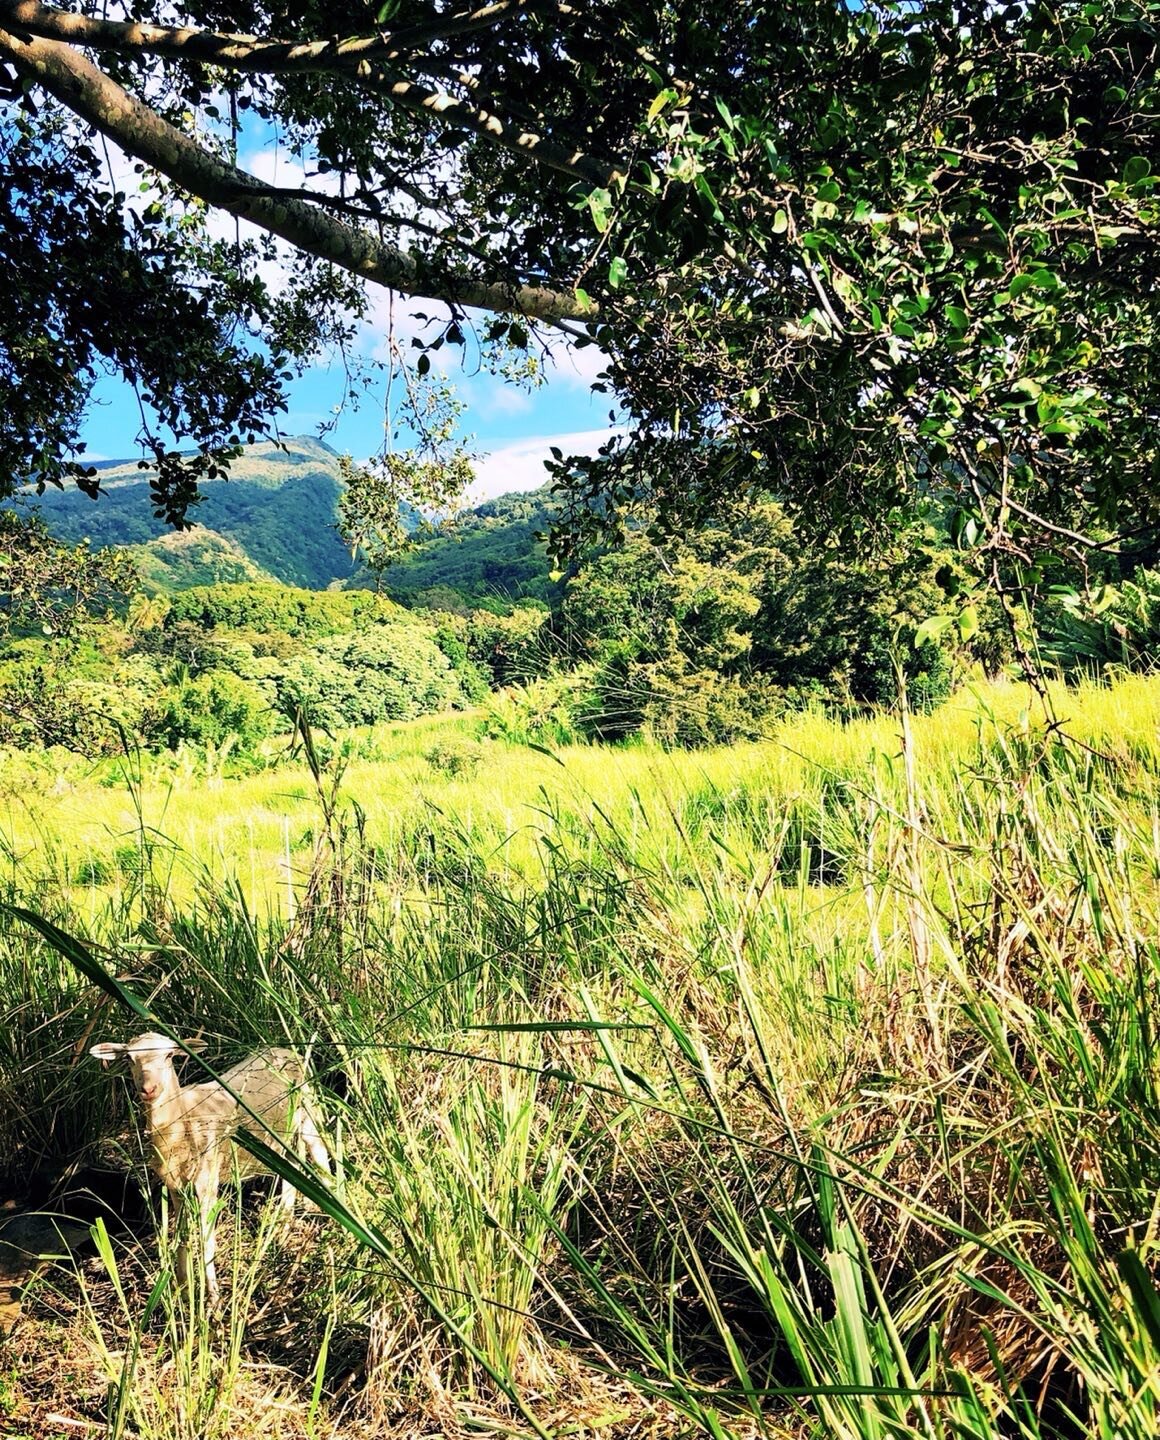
[1117, 625]
[213, 707]
[677, 705]
[454, 757]
[512, 647]
[93, 870]
[40, 708]
[389, 672]
[543, 712]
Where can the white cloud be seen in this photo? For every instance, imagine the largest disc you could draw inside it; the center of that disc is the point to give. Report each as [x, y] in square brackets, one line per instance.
[505, 399]
[577, 366]
[520, 464]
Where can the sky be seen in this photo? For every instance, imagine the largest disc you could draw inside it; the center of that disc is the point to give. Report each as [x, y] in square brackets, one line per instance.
[509, 428]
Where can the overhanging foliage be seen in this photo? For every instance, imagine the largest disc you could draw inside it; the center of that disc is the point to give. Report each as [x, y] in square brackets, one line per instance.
[863, 251]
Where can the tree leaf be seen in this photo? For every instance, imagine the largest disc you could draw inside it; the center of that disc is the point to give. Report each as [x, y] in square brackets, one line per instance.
[968, 623]
[932, 629]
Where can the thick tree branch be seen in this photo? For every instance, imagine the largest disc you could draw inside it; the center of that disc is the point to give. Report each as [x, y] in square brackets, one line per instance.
[140, 132]
[51, 23]
[350, 57]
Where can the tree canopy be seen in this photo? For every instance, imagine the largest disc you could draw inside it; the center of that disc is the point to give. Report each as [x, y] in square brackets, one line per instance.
[844, 254]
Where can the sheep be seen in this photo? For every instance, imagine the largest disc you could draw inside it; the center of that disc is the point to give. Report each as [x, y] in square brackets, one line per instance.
[191, 1127]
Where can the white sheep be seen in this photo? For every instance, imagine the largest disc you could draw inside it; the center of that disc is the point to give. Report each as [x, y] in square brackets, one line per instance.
[191, 1127]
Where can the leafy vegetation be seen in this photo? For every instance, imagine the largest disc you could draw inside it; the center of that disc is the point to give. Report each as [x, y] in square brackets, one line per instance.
[694, 640]
[786, 1068]
[490, 556]
[187, 558]
[843, 255]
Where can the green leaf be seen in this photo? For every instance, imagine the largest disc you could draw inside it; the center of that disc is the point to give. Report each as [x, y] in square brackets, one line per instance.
[704, 189]
[600, 202]
[1142, 1288]
[957, 317]
[1138, 168]
[932, 629]
[617, 271]
[968, 622]
[666, 97]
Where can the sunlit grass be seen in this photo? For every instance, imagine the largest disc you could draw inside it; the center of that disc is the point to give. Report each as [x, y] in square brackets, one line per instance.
[87, 821]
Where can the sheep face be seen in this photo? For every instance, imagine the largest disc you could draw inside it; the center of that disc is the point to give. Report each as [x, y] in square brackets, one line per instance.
[150, 1058]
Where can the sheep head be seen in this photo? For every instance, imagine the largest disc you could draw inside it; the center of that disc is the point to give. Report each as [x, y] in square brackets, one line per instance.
[150, 1058]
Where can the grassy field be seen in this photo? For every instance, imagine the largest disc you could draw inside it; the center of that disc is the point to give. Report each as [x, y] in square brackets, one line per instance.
[807, 1087]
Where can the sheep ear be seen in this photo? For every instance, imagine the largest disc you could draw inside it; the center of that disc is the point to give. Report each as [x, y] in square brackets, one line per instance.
[107, 1051]
[195, 1046]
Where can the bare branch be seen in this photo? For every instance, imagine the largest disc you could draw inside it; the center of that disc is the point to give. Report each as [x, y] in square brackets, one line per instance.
[140, 132]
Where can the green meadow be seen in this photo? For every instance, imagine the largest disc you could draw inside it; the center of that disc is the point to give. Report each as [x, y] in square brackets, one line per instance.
[801, 1087]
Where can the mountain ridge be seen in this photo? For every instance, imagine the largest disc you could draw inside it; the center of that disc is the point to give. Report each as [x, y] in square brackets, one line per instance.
[275, 519]
[278, 507]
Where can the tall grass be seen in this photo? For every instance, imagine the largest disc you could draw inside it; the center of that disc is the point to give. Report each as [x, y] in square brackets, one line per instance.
[808, 1087]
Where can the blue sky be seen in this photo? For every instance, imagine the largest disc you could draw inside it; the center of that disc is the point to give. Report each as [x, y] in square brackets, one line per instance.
[512, 429]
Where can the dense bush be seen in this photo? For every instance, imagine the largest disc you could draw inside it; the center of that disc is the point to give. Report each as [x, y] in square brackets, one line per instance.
[510, 648]
[455, 757]
[546, 711]
[391, 672]
[674, 704]
[213, 707]
[1115, 625]
[310, 614]
[48, 699]
[698, 640]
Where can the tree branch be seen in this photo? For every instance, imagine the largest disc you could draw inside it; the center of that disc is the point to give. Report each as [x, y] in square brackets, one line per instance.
[140, 132]
[350, 57]
[50, 23]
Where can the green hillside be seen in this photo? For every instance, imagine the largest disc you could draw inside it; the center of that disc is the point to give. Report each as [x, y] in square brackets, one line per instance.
[275, 518]
[486, 555]
[277, 508]
[181, 560]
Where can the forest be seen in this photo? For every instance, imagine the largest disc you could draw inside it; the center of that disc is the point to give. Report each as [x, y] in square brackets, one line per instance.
[682, 640]
[672, 953]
